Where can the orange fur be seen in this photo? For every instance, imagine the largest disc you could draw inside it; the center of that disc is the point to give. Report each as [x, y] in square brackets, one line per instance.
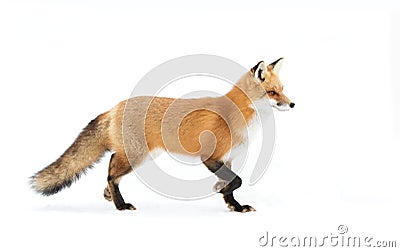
[205, 127]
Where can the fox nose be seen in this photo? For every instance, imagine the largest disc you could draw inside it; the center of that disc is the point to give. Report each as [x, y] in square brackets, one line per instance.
[291, 105]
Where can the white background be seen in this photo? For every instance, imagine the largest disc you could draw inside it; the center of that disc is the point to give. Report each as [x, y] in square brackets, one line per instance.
[336, 156]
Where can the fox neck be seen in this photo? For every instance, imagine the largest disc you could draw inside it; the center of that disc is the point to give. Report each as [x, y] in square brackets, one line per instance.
[242, 101]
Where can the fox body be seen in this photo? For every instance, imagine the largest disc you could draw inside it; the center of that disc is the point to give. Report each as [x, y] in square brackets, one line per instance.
[208, 128]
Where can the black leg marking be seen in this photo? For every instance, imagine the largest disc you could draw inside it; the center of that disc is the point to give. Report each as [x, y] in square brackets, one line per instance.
[116, 171]
[232, 203]
[117, 197]
[224, 173]
[222, 183]
[234, 182]
[235, 206]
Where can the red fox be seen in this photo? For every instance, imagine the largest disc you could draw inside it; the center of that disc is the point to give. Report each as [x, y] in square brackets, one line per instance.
[173, 125]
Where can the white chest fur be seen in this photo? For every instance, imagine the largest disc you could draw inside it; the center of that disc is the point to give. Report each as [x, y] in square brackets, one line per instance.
[253, 129]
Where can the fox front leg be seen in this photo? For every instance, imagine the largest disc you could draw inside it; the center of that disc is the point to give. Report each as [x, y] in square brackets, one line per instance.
[233, 182]
[222, 183]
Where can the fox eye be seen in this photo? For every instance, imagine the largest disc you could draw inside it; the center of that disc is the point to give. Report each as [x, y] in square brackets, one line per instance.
[272, 92]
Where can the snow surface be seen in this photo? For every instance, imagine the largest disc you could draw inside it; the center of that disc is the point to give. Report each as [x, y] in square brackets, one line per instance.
[336, 159]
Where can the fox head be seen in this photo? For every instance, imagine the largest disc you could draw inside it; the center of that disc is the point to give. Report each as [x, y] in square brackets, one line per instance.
[264, 81]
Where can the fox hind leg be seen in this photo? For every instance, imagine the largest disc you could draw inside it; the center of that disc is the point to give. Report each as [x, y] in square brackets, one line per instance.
[119, 167]
[225, 174]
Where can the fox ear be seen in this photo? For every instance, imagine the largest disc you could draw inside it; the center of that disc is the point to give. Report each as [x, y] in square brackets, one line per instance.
[258, 71]
[276, 65]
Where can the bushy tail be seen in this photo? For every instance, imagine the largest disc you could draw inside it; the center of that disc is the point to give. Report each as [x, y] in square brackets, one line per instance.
[88, 148]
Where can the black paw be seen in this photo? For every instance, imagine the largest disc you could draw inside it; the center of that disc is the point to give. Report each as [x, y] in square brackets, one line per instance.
[247, 208]
[241, 209]
[126, 206]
